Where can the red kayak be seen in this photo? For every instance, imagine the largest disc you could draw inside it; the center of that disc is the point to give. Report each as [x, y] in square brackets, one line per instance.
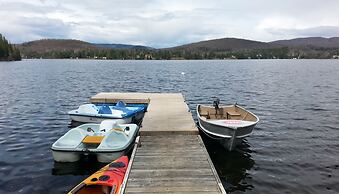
[107, 180]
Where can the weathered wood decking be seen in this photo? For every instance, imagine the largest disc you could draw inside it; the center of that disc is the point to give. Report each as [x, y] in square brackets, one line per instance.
[167, 113]
[171, 157]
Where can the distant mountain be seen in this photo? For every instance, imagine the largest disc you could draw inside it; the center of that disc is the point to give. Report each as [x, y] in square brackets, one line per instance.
[48, 45]
[215, 45]
[310, 41]
[63, 45]
[224, 48]
[225, 44]
[122, 46]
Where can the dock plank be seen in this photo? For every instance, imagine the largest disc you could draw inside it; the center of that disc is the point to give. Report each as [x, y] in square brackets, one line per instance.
[169, 174]
[170, 189]
[180, 167]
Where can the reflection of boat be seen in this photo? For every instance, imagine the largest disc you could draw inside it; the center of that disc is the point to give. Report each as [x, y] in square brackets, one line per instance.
[107, 141]
[95, 113]
[107, 180]
[234, 168]
[85, 166]
[227, 124]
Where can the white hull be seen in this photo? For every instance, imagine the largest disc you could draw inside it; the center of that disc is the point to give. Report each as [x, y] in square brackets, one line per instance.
[109, 157]
[228, 142]
[104, 157]
[91, 119]
[229, 132]
[60, 156]
[88, 119]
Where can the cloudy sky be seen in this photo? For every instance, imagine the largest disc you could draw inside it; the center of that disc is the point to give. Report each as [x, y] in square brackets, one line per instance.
[164, 23]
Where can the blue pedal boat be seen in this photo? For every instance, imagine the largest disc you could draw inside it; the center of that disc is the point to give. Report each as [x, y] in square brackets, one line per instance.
[120, 112]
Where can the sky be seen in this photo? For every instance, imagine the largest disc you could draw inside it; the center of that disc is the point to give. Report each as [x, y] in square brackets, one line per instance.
[167, 23]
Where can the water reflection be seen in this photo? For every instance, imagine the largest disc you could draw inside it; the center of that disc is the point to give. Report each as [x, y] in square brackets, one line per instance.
[232, 166]
[86, 166]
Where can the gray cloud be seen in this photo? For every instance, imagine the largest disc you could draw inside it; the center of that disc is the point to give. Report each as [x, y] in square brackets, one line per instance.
[32, 28]
[320, 31]
[162, 23]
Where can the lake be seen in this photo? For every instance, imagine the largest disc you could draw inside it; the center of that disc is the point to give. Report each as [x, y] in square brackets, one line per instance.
[293, 149]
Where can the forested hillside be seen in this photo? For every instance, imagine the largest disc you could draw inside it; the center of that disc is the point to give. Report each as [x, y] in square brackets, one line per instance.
[225, 48]
[8, 52]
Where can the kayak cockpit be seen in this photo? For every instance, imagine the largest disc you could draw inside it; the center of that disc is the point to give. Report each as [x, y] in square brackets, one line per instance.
[93, 189]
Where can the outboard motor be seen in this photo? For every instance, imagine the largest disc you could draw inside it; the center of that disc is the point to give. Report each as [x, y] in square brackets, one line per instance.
[216, 102]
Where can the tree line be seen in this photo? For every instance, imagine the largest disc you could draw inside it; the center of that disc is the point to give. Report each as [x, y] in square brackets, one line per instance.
[168, 54]
[142, 54]
[8, 52]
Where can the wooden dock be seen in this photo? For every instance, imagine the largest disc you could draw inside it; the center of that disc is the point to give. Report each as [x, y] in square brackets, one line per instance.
[171, 157]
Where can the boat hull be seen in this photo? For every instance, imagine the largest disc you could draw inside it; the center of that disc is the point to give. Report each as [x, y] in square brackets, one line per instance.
[106, 157]
[223, 132]
[63, 156]
[91, 119]
[97, 119]
[103, 157]
[228, 142]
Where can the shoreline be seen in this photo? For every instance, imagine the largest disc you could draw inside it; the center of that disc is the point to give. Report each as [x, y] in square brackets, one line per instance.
[162, 59]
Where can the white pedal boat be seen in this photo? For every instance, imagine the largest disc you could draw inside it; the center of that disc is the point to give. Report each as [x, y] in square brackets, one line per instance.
[96, 113]
[108, 141]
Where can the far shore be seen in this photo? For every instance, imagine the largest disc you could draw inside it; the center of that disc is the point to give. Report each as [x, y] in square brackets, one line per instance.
[161, 59]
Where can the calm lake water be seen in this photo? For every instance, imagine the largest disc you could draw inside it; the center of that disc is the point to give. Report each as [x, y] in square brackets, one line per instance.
[294, 148]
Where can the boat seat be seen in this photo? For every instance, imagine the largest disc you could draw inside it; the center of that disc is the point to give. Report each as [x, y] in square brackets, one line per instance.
[233, 113]
[105, 110]
[121, 104]
[71, 139]
[218, 116]
[114, 140]
[92, 139]
[204, 113]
